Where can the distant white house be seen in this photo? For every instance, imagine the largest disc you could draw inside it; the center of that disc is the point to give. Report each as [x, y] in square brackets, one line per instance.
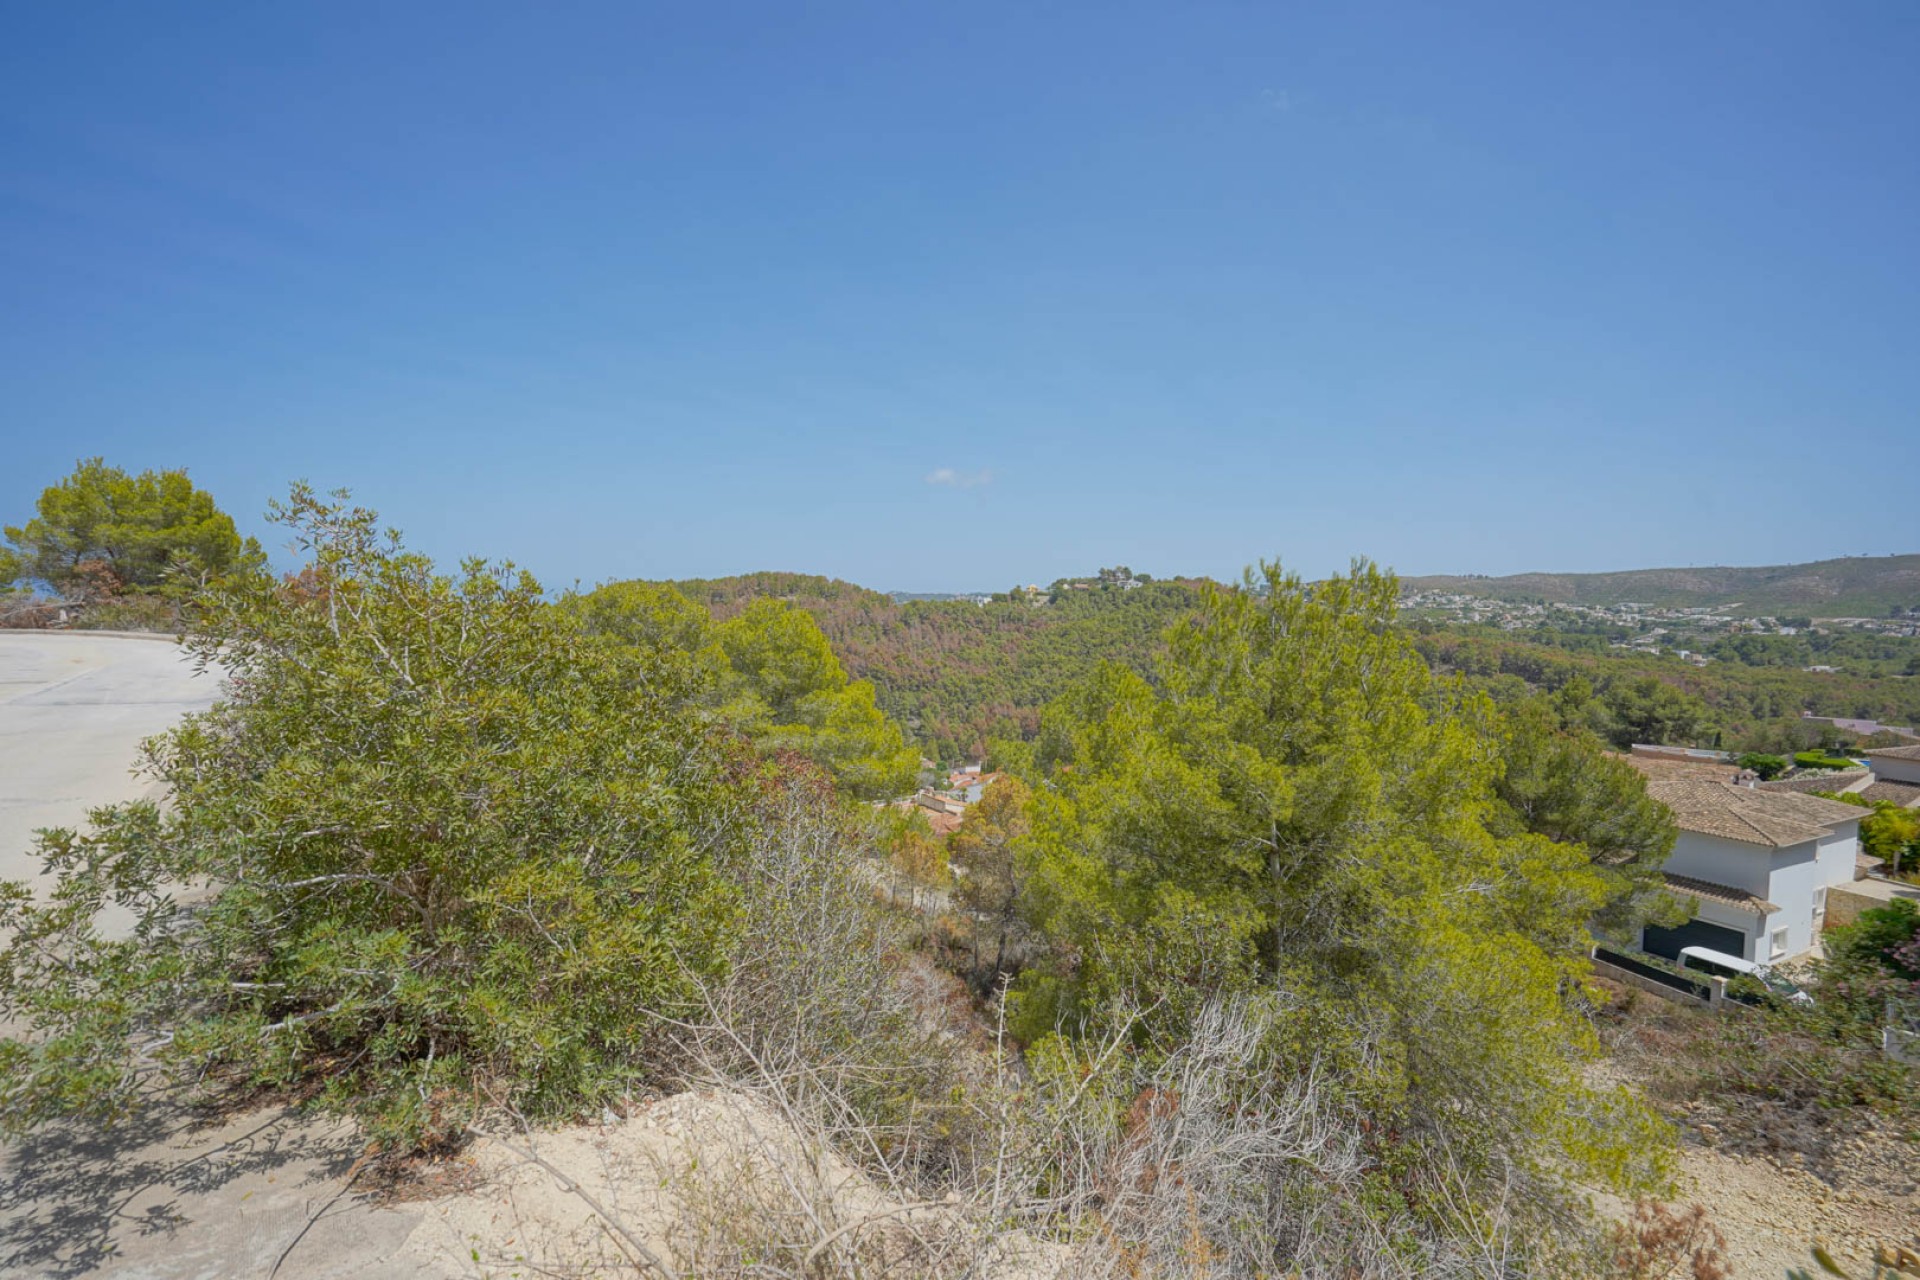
[1895, 764]
[1757, 863]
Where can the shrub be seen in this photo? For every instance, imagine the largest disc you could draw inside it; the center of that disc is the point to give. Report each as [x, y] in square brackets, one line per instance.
[130, 613]
[1821, 760]
[1887, 937]
[1299, 808]
[1767, 766]
[1661, 1242]
[1782, 1076]
[455, 846]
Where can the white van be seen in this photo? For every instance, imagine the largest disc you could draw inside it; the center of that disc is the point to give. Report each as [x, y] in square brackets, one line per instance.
[1721, 965]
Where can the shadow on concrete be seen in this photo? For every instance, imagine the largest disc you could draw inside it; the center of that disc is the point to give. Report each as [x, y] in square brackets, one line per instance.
[80, 1198]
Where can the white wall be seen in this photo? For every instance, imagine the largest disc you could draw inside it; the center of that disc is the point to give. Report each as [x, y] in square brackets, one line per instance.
[1785, 877]
[1795, 875]
[1837, 852]
[1728, 862]
[1894, 770]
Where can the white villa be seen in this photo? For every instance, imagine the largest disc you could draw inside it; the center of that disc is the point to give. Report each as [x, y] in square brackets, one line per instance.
[1757, 863]
[1900, 767]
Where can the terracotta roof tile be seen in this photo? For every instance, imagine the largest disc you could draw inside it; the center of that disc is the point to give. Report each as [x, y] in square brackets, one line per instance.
[1818, 781]
[1904, 794]
[1720, 893]
[1657, 767]
[1773, 819]
[943, 824]
[1894, 753]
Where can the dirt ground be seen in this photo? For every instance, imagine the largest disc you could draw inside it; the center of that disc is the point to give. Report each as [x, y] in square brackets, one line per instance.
[170, 1199]
[1775, 1181]
[1771, 1214]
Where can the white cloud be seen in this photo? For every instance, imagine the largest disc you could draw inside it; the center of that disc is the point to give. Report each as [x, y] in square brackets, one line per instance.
[952, 479]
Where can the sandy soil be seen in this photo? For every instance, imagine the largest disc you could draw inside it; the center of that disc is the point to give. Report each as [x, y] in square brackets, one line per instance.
[706, 1182]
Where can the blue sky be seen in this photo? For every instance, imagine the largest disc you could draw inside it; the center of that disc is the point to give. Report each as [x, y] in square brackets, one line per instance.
[946, 297]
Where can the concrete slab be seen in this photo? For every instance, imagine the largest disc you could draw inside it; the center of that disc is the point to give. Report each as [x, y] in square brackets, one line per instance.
[74, 709]
[163, 1198]
[1846, 901]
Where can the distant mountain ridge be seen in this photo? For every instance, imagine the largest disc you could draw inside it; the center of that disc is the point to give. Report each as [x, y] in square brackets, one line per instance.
[1854, 586]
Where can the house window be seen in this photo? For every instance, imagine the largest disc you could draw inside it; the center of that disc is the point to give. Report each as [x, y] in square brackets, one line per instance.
[1819, 905]
[1779, 942]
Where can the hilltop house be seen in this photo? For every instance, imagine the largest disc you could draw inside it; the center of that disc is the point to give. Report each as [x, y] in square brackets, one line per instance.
[1757, 863]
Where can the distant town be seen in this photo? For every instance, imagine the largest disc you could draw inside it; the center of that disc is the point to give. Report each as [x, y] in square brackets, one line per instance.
[1685, 632]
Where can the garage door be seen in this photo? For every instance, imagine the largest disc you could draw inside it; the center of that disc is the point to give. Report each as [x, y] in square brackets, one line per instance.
[1694, 933]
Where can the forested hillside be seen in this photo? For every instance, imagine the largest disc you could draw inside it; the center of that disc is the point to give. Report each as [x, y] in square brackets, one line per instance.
[1651, 698]
[957, 674]
[1854, 586]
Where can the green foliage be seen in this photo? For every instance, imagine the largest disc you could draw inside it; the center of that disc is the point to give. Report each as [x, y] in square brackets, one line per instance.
[1821, 760]
[659, 622]
[455, 846]
[1559, 783]
[1796, 1076]
[1298, 806]
[1764, 650]
[102, 532]
[1767, 766]
[957, 674]
[1647, 709]
[1892, 834]
[724, 595]
[788, 692]
[1889, 833]
[779, 656]
[911, 847]
[987, 846]
[768, 672]
[1887, 937]
[1859, 652]
[1755, 708]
